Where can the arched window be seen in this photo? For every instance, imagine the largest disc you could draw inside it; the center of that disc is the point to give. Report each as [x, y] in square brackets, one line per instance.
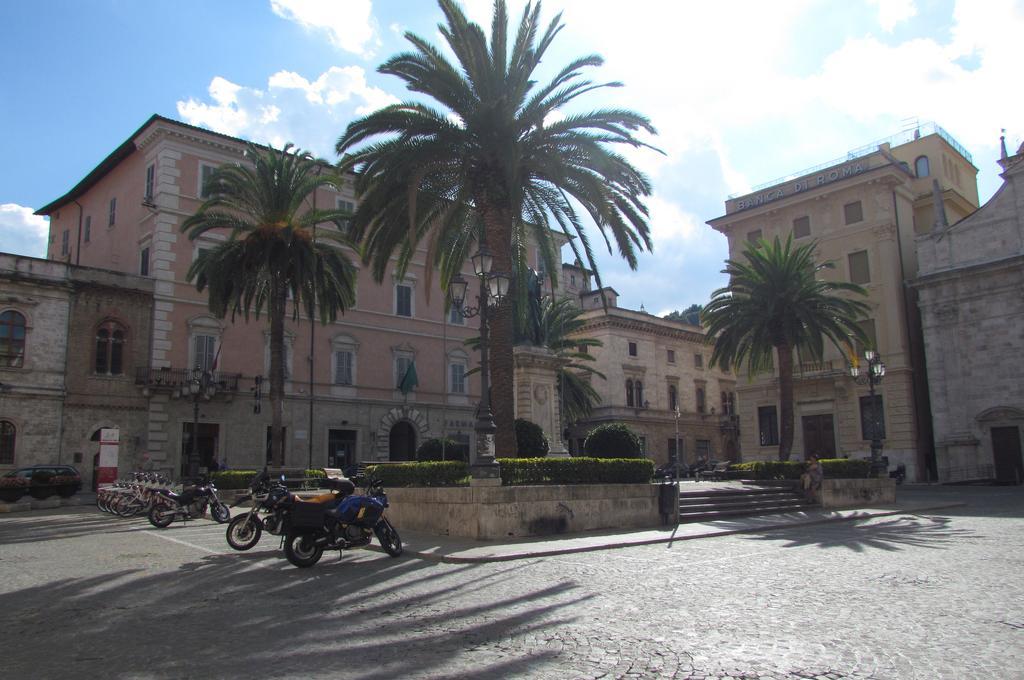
[700, 400]
[110, 339]
[12, 339]
[921, 167]
[639, 387]
[673, 401]
[629, 393]
[7, 438]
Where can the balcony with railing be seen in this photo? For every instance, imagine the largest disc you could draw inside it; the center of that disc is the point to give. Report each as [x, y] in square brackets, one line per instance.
[809, 370]
[171, 379]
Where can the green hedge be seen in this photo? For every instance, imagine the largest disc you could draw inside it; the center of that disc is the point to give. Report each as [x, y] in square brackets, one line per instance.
[523, 471]
[239, 479]
[431, 473]
[832, 468]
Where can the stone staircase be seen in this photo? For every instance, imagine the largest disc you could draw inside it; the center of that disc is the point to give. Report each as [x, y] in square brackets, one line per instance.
[713, 501]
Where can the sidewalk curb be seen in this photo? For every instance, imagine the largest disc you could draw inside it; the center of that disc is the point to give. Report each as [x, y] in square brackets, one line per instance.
[455, 559]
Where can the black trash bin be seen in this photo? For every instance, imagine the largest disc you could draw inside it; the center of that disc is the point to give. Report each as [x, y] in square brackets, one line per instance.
[668, 501]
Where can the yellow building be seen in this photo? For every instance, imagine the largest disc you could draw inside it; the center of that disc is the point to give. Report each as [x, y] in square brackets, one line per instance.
[863, 212]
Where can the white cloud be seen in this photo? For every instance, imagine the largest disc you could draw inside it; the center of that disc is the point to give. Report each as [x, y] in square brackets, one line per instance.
[349, 24]
[892, 12]
[21, 232]
[312, 114]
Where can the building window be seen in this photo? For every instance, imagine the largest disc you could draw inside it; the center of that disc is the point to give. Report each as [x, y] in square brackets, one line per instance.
[150, 181]
[754, 236]
[8, 437]
[457, 377]
[703, 449]
[403, 299]
[455, 317]
[802, 227]
[872, 412]
[583, 349]
[144, 262]
[402, 364]
[768, 425]
[921, 166]
[859, 270]
[638, 387]
[343, 368]
[725, 404]
[205, 173]
[204, 349]
[868, 326]
[629, 392]
[113, 212]
[673, 398]
[88, 229]
[698, 361]
[632, 349]
[732, 403]
[110, 337]
[671, 356]
[12, 339]
[853, 212]
[349, 207]
[65, 242]
[701, 400]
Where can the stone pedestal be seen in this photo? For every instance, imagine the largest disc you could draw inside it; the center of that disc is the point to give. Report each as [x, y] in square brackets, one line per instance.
[536, 391]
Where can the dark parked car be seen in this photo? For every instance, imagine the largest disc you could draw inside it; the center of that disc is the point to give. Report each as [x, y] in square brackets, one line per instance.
[40, 481]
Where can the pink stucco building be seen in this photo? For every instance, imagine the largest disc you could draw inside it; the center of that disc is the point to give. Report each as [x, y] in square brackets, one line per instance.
[342, 405]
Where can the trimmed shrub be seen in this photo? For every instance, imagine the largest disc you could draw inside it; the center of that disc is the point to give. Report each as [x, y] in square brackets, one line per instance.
[832, 468]
[530, 440]
[432, 450]
[239, 479]
[613, 440]
[431, 473]
[524, 471]
[845, 468]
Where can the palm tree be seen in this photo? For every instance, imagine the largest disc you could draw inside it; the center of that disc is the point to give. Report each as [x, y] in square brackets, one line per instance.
[560, 325]
[273, 251]
[498, 151]
[775, 303]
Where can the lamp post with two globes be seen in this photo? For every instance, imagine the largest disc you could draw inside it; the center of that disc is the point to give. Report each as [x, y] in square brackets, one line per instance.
[872, 377]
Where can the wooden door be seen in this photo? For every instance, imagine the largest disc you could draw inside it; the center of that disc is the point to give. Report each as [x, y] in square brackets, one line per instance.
[819, 436]
[1007, 455]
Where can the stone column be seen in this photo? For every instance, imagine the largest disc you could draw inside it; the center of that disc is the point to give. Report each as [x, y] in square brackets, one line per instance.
[536, 392]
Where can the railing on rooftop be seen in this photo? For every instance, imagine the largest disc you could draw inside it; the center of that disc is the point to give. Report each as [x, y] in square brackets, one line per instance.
[897, 139]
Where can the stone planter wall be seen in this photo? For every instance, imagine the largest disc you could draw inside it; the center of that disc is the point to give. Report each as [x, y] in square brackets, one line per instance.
[846, 493]
[489, 513]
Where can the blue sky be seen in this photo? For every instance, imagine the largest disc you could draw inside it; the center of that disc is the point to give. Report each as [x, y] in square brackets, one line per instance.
[741, 92]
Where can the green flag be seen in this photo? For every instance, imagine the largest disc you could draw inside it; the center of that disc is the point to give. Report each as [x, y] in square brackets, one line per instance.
[409, 380]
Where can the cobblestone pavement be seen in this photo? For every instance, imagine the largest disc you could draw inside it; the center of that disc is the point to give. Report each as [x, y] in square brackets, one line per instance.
[931, 596]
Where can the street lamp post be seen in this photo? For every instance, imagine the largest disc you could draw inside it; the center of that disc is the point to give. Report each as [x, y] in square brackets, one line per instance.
[200, 385]
[679, 453]
[493, 289]
[872, 377]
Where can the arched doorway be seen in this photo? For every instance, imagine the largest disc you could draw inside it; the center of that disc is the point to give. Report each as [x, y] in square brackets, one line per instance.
[402, 441]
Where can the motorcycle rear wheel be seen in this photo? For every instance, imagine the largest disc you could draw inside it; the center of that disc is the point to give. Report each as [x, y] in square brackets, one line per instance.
[161, 516]
[244, 532]
[388, 537]
[220, 513]
[302, 550]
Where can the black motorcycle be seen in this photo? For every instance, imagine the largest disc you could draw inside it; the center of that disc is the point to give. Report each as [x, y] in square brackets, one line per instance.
[350, 523]
[271, 508]
[191, 503]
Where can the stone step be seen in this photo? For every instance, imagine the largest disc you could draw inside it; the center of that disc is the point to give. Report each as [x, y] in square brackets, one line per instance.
[751, 505]
[725, 514]
[726, 498]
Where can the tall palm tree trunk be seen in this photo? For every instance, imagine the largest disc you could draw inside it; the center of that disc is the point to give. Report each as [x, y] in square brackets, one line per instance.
[497, 223]
[785, 352]
[277, 310]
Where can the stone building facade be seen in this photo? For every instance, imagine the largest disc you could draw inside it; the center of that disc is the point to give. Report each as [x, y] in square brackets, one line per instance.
[863, 213]
[970, 280]
[342, 404]
[69, 338]
[653, 367]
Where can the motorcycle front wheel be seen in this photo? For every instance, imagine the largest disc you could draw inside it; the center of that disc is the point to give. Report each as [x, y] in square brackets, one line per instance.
[220, 512]
[244, 532]
[302, 550]
[388, 537]
[161, 516]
